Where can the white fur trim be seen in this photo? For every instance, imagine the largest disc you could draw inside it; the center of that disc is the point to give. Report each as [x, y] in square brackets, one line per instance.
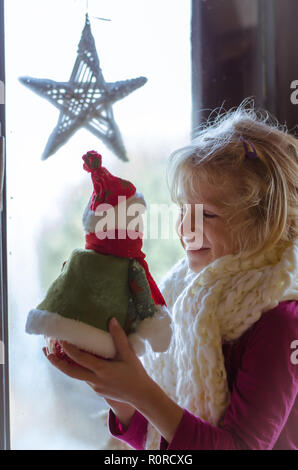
[158, 330]
[89, 338]
[90, 219]
[53, 325]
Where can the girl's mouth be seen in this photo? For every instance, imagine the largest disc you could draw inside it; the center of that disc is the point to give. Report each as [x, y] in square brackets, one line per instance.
[197, 251]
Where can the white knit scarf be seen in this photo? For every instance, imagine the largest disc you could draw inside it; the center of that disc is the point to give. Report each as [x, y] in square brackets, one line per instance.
[218, 304]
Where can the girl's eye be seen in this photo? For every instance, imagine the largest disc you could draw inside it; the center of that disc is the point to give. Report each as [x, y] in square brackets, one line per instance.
[209, 216]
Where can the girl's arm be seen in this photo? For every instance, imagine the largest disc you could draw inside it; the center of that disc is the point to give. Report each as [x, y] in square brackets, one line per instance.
[122, 411]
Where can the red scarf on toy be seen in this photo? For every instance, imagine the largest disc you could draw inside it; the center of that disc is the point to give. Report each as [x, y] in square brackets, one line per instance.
[127, 248]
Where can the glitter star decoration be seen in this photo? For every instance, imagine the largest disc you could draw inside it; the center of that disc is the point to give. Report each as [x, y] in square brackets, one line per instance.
[86, 100]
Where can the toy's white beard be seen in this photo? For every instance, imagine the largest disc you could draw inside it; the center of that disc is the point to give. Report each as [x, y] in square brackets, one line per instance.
[118, 217]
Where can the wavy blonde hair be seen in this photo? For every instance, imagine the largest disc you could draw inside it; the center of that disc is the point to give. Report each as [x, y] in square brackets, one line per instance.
[258, 197]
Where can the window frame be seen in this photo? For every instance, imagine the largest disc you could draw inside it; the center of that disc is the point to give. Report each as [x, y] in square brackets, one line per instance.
[4, 370]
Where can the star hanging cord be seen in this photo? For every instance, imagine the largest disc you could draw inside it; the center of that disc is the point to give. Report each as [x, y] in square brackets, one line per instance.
[86, 100]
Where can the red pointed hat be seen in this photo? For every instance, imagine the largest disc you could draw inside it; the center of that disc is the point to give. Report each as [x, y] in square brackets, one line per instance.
[107, 187]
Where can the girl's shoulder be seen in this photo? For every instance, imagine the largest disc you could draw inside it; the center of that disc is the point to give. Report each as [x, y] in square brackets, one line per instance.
[286, 312]
[279, 324]
[270, 341]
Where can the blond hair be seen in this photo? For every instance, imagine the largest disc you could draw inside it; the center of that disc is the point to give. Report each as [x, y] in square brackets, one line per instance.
[258, 197]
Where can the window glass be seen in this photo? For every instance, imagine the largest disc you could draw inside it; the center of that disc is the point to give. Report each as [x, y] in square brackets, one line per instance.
[46, 199]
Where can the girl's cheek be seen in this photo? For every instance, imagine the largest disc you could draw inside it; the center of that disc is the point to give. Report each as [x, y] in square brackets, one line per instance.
[177, 225]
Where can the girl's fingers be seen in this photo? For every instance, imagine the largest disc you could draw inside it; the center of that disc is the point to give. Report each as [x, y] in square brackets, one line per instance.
[82, 358]
[122, 345]
[73, 371]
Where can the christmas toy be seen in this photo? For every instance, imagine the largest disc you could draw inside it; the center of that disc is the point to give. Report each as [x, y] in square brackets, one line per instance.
[109, 277]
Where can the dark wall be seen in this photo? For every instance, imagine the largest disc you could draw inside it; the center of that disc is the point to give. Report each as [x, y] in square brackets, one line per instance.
[244, 48]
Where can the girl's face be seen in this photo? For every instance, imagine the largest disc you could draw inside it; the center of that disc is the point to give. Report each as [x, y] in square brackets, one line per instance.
[216, 240]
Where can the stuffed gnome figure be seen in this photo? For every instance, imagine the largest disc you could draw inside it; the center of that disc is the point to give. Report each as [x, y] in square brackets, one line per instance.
[110, 277]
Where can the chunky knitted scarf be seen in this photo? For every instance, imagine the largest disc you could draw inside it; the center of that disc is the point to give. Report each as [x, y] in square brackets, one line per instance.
[218, 304]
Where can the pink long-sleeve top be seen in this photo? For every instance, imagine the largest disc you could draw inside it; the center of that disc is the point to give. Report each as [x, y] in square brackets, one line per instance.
[262, 373]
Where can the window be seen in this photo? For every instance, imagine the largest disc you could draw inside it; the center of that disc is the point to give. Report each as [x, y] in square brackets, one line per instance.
[46, 199]
[197, 55]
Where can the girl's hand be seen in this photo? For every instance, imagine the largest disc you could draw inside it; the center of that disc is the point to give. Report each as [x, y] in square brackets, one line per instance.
[123, 379]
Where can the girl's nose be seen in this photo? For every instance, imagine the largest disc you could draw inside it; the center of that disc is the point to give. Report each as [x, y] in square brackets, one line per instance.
[190, 224]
